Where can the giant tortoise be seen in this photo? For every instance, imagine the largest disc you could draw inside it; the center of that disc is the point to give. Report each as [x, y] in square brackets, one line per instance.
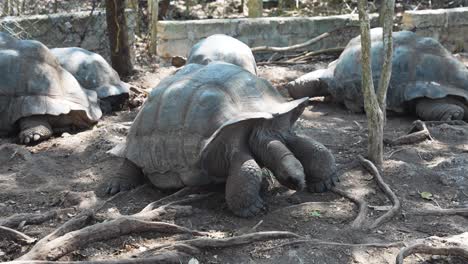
[220, 123]
[93, 72]
[37, 96]
[426, 79]
[224, 48]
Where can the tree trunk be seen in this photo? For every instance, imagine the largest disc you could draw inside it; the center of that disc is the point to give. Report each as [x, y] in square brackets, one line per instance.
[133, 4]
[6, 8]
[118, 37]
[373, 111]
[388, 9]
[253, 8]
[153, 5]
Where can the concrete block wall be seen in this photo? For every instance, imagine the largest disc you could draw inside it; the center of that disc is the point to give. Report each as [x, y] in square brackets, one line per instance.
[177, 37]
[449, 26]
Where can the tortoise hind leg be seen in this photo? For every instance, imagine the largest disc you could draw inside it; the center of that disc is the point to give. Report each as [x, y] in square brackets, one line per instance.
[243, 186]
[34, 129]
[444, 109]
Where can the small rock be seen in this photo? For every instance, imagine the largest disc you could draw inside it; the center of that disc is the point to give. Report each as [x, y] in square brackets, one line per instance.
[193, 261]
[65, 135]
[178, 61]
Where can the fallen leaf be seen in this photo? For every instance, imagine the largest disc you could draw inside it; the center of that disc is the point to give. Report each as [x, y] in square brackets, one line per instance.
[426, 195]
[315, 213]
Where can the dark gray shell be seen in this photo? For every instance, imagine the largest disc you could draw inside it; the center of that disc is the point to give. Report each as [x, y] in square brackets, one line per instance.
[186, 112]
[91, 70]
[223, 48]
[33, 83]
[422, 67]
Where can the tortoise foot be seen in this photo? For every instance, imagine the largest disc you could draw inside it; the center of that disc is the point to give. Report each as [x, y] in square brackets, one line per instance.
[128, 177]
[444, 109]
[34, 130]
[322, 186]
[318, 162]
[243, 187]
[256, 207]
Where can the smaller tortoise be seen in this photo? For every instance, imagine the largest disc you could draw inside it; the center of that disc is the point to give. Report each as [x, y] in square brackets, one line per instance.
[37, 96]
[223, 48]
[426, 78]
[220, 123]
[94, 73]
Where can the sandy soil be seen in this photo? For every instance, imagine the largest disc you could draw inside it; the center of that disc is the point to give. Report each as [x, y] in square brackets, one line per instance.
[72, 170]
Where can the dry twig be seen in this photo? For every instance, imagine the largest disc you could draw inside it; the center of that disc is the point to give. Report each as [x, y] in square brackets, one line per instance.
[33, 219]
[11, 234]
[293, 47]
[418, 133]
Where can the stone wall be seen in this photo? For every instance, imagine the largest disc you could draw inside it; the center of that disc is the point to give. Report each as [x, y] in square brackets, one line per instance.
[449, 26]
[81, 29]
[177, 37]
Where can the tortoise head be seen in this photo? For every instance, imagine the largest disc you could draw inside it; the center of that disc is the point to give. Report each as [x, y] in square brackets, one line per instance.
[312, 84]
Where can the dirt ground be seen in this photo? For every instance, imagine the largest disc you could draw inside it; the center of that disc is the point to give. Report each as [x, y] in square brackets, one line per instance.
[71, 170]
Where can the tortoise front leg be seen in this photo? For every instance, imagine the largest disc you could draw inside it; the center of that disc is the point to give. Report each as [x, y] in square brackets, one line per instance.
[444, 109]
[127, 177]
[34, 129]
[274, 155]
[318, 162]
[243, 186]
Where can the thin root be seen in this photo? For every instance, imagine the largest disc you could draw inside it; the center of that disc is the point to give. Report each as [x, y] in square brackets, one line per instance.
[360, 219]
[386, 189]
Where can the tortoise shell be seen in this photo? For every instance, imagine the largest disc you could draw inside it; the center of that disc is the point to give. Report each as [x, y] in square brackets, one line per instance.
[91, 70]
[223, 48]
[179, 123]
[32, 82]
[422, 67]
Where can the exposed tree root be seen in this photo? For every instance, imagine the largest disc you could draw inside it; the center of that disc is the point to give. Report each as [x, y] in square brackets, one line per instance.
[386, 189]
[448, 246]
[33, 219]
[74, 235]
[204, 243]
[102, 231]
[360, 219]
[11, 234]
[417, 133]
[441, 211]
[170, 257]
[319, 242]
[451, 123]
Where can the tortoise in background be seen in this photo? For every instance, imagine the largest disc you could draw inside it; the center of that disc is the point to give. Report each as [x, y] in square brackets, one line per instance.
[221, 123]
[93, 72]
[220, 47]
[37, 96]
[426, 78]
